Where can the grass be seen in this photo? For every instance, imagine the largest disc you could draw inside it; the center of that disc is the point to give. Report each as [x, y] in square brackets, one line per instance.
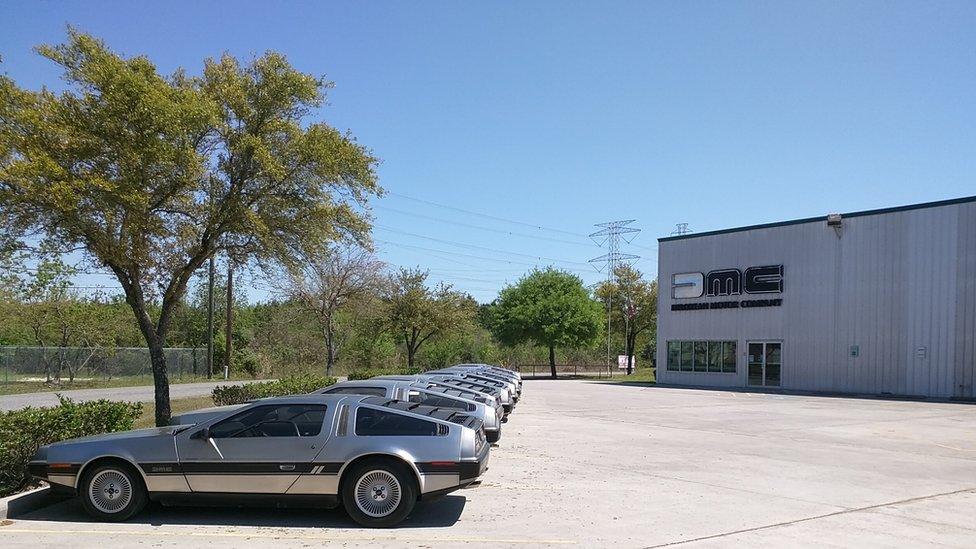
[642, 375]
[177, 406]
[14, 386]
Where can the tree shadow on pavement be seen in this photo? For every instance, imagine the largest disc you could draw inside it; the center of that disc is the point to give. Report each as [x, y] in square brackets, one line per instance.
[440, 513]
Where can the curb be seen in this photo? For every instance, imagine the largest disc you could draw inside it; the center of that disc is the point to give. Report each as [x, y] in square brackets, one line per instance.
[25, 502]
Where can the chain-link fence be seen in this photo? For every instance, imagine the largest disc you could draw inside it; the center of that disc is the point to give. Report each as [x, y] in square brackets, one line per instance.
[588, 370]
[32, 367]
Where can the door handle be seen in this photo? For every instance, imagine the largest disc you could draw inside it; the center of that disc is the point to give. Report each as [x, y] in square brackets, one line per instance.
[287, 467]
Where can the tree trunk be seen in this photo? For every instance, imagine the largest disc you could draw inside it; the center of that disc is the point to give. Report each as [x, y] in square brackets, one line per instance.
[160, 381]
[552, 362]
[229, 344]
[329, 351]
[210, 319]
[630, 353]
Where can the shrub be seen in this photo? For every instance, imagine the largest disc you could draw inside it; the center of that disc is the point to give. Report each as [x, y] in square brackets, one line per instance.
[23, 431]
[366, 374]
[295, 385]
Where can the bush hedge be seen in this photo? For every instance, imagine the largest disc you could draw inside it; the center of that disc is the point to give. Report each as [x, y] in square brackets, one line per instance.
[295, 385]
[23, 431]
[366, 374]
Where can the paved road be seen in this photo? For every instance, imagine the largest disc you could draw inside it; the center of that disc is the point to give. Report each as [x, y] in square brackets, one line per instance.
[598, 465]
[131, 394]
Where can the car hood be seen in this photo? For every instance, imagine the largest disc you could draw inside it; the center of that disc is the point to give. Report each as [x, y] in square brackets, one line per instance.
[138, 433]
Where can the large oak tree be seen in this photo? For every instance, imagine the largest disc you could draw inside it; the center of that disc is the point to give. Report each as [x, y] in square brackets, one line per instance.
[150, 175]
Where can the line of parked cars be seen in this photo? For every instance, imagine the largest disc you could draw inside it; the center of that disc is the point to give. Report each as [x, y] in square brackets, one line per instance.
[373, 446]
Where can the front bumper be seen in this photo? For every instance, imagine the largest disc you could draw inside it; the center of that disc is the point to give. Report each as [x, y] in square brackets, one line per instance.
[61, 476]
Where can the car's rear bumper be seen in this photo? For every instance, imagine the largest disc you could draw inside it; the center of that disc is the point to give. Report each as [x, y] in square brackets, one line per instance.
[467, 472]
[493, 435]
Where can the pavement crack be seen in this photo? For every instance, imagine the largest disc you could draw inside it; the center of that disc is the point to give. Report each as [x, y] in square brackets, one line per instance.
[808, 519]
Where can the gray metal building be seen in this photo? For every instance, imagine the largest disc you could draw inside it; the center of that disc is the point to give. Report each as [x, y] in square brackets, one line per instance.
[875, 302]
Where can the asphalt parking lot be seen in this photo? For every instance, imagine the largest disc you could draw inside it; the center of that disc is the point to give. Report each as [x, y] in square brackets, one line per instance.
[593, 464]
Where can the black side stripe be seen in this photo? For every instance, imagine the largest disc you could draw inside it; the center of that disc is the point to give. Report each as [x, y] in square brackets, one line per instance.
[240, 468]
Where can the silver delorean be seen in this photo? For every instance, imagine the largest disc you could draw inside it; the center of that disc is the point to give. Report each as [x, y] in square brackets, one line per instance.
[483, 376]
[477, 406]
[498, 371]
[468, 393]
[373, 455]
[500, 393]
[509, 394]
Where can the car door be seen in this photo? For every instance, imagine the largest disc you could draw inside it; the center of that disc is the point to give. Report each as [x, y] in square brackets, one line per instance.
[259, 450]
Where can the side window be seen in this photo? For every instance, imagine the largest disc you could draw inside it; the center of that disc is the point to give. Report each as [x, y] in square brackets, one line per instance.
[294, 420]
[370, 391]
[370, 422]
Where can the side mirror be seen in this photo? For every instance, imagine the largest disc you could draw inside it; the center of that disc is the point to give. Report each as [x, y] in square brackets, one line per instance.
[202, 434]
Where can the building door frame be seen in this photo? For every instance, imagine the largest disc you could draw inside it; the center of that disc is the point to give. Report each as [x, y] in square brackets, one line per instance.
[766, 369]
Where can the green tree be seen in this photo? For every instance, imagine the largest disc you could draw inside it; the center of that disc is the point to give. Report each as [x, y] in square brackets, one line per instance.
[633, 305]
[151, 175]
[416, 313]
[328, 288]
[56, 316]
[550, 308]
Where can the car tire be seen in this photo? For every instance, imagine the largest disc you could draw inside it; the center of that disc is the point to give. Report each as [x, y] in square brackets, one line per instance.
[379, 493]
[112, 492]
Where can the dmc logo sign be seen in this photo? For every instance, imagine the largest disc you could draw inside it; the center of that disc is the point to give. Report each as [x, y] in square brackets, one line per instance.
[766, 279]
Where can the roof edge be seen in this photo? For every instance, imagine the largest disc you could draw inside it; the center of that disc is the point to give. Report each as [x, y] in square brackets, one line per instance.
[879, 211]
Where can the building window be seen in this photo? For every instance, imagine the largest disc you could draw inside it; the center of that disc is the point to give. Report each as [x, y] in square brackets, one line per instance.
[702, 356]
[687, 355]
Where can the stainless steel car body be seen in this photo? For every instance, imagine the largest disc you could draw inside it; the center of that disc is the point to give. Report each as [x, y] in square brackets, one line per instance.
[501, 393]
[509, 389]
[183, 460]
[482, 375]
[469, 393]
[477, 406]
[496, 369]
[510, 375]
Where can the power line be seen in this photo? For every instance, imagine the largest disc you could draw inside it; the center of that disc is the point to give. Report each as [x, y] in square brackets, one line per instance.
[479, 227]
[487, 249]
[511, 262]
[487, 216]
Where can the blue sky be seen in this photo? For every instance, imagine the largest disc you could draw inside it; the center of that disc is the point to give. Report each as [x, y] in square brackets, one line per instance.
[565, 114]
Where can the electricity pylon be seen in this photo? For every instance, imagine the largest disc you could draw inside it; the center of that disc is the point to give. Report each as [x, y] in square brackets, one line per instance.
[610, 235]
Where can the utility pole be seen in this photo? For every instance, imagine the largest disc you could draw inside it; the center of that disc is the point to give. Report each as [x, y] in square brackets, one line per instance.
[611, 233]
[229, 345]
[210, 319]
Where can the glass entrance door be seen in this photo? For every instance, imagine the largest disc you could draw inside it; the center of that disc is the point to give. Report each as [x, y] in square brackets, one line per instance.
[765, 362]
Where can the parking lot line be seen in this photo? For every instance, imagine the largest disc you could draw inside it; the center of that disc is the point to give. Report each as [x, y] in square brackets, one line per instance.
[280, 535]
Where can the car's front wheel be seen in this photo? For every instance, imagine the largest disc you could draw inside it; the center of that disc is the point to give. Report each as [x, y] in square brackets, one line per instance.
[379, 493]
[112, 492]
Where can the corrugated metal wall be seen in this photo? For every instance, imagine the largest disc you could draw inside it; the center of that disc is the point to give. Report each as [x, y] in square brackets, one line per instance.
[899, 285]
